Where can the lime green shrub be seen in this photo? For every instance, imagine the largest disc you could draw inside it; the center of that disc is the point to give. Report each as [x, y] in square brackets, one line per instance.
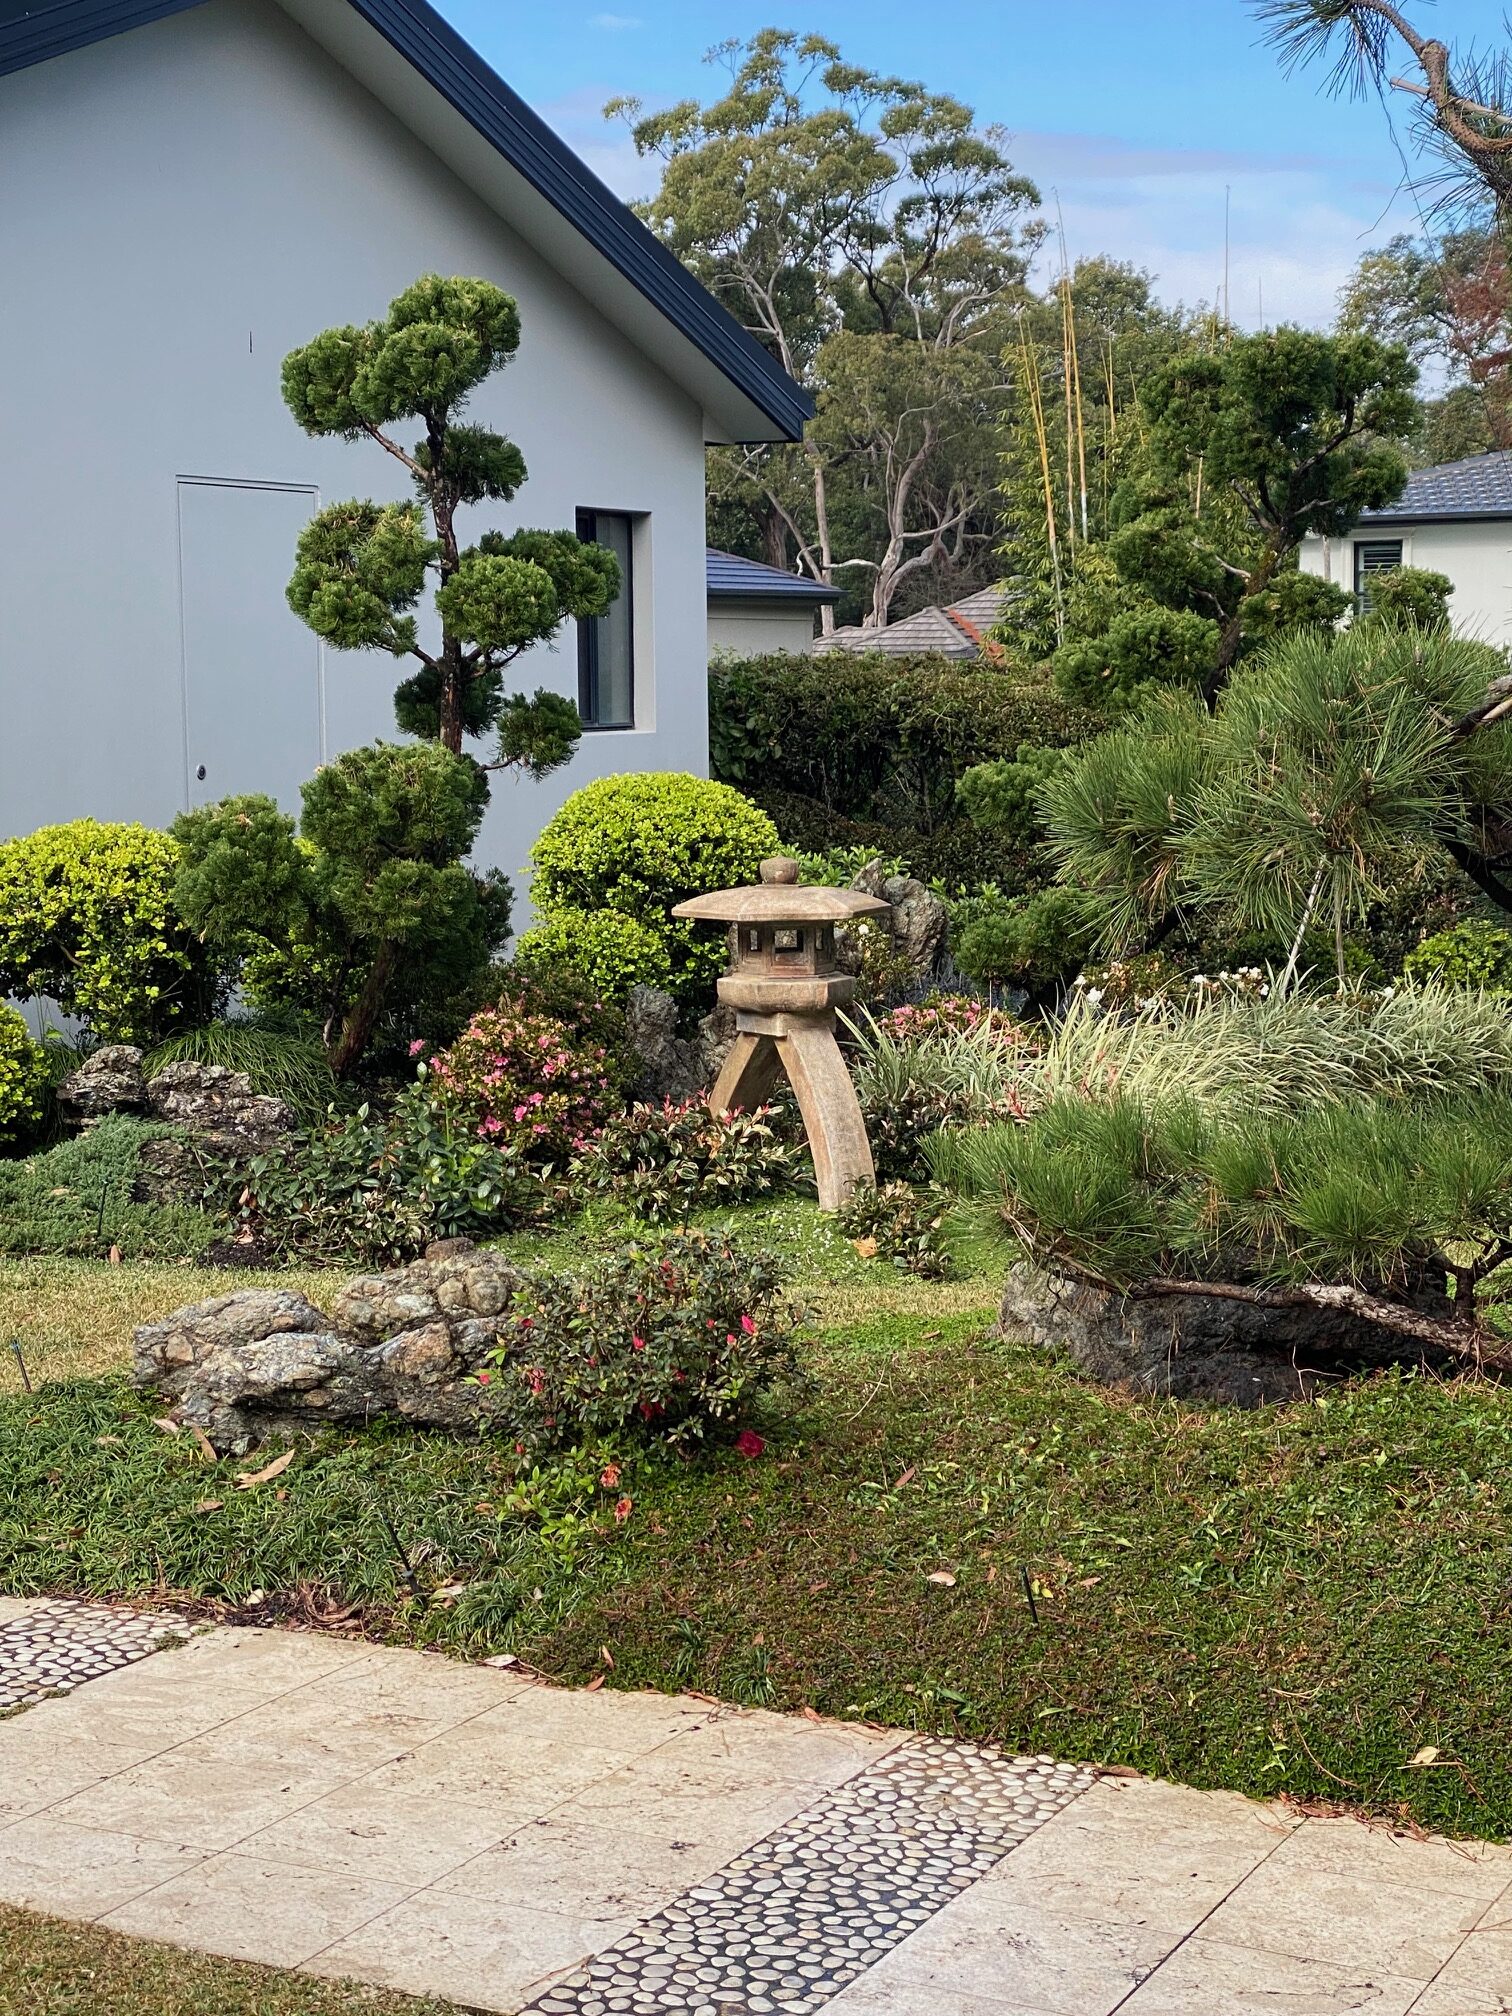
[637, 845]
[87, 918]
[24, 1078]
[611, 952]
[1472, 954]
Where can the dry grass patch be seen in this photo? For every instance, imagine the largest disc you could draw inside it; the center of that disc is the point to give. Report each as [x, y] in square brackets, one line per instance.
[73, 1318]
[50, 1968]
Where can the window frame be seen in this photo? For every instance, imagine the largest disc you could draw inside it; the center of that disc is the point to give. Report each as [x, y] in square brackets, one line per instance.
[1363, 569]
[588, 630]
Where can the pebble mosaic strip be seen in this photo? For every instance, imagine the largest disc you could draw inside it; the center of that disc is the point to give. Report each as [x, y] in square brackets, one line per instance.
[793, 1920]
[58, 1646]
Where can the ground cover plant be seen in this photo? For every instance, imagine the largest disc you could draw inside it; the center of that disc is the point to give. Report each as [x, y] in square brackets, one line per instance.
[950, 1532]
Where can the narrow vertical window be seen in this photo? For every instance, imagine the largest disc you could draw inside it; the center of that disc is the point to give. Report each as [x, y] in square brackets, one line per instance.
[606, 644]
[1373, 556]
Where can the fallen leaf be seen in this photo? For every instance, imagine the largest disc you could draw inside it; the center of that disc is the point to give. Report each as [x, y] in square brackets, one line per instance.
[245, 1479]
[1118, 1771]
[206, 1446]
[907, 1478]
[607, 1656]
[943, 1577]
[867, 1248]
[929, 1336]
[811, 1715]
[106, 1441]
[502, 1659]
[1091, 1582]
[114, 1256]
[1427, 1755]
[594, 1684]
[167, 1423]
[210, 1505]
[448, 1592]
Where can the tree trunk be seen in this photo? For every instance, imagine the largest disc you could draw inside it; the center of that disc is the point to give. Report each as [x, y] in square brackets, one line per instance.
[361, 1017]
[1232, 634]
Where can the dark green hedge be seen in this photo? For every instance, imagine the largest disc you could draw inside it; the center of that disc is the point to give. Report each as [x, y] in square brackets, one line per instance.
[842, 750]
[875, 737]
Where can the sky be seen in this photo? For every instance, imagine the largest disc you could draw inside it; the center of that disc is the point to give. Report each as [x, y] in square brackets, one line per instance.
[1136, 115]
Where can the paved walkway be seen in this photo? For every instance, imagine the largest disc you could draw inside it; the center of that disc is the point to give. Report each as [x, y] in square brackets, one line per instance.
[458, 1830]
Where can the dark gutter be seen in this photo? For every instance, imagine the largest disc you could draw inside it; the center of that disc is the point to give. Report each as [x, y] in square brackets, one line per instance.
[37, 33]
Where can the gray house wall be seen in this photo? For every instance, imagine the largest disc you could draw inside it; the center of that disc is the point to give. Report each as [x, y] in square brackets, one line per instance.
[182, 206]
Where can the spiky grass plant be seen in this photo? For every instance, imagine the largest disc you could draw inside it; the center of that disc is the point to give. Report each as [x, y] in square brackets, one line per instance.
[281, 1064]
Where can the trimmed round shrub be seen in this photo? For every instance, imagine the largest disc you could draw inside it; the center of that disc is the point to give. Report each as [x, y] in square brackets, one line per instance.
[87, 919]
[521, 1079]
[607, 949]
[640, 844]
[1471, 954]
[24, 1078]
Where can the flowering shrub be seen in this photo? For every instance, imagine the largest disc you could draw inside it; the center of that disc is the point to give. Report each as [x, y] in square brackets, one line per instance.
[664, 1161]
[24, 1078]
[522, 1081]
[379, 1189]
[1149, 978]
[675, 1343]
[900, 1224]
[954, 1015]
[901, 1118]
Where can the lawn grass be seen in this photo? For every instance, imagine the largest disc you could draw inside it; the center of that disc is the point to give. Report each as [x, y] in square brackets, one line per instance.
[1295, 1600]
[74, 1318]
[52, 1968]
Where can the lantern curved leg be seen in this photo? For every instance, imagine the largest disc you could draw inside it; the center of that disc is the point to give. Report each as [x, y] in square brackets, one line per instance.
[831, 1113]
[748, 1076]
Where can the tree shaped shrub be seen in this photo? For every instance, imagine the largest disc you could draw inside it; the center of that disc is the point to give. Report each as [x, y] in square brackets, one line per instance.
[364, 568]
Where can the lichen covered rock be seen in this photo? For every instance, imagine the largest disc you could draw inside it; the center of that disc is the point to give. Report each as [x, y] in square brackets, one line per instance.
[266, 1362]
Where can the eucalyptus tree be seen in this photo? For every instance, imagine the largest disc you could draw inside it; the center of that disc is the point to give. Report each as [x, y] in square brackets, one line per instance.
[870, 234]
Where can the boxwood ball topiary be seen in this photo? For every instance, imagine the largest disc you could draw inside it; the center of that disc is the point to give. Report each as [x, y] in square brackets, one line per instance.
[24, 1078]
[638, 845]
[611, 951]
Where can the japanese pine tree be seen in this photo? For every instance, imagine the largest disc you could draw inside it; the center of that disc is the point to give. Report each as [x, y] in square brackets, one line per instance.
[364, 569]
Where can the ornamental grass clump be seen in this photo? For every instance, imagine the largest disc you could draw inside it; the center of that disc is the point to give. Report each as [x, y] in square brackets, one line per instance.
[523, 1081]
[1395, 1210]
[676, 1342]
[916, 1073]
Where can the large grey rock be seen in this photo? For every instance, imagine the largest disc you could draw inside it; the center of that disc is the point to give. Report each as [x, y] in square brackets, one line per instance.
[918, 925]
[665, 1064]
[1197, 1347]
[266, 1362]
[217, 1117]
[110, 1080]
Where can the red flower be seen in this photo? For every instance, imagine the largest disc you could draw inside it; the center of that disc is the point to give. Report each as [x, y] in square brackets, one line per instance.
[649, 1409]
[748, 1326]
[749, 1443]
[622, 1510]
[637, 1343]
[484, 1377]
[609, 1476]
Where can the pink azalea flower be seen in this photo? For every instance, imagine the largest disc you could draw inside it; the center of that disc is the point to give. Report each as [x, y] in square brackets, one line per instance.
[749, 1443]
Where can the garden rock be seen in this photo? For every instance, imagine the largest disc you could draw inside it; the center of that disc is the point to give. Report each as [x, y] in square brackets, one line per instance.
[217, 1117]
[667, 1065]
[1197, 1347]
[266, 1362]
[110, 1080]
[919, 917]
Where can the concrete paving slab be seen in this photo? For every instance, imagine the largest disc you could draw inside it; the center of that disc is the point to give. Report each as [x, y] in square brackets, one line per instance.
[466, 1832]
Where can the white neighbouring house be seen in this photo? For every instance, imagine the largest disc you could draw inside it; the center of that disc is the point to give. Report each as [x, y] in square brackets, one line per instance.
[191, 188]
[754, 608]
[1455, 519]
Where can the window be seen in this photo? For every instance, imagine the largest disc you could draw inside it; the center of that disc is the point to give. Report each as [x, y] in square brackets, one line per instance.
[606, 644]
[1373, 556]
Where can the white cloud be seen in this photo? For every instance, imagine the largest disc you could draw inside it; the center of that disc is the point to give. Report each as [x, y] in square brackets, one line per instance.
[1297, 223]
[603, 144]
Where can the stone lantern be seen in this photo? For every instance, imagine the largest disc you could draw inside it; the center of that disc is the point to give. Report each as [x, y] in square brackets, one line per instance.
[785, 986]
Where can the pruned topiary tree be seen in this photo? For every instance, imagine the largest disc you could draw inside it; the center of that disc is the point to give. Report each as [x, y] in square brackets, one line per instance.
[364, 568]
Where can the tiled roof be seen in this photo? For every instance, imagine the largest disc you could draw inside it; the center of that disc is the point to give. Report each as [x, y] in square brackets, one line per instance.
[958, 631]
[1479, 486]
[751, 580]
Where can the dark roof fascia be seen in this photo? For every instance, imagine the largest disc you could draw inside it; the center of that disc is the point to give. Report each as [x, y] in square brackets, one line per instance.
[47, 31]
[809, 592]
[454, 69]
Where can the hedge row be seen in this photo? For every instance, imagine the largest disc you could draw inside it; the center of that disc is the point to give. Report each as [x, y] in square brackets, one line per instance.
[876, 738]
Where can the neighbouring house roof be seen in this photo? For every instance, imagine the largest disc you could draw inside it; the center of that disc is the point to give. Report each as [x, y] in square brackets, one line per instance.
[958, 630]
[733, 578]
[365, 36]
[1477, 486]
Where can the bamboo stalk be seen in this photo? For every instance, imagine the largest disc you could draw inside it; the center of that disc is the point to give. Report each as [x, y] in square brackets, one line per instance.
[1032, 394]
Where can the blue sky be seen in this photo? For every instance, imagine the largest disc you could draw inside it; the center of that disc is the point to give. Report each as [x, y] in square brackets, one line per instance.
[1137, 113]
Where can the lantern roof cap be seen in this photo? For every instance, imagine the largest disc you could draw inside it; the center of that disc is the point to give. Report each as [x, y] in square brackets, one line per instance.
[780, 898]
